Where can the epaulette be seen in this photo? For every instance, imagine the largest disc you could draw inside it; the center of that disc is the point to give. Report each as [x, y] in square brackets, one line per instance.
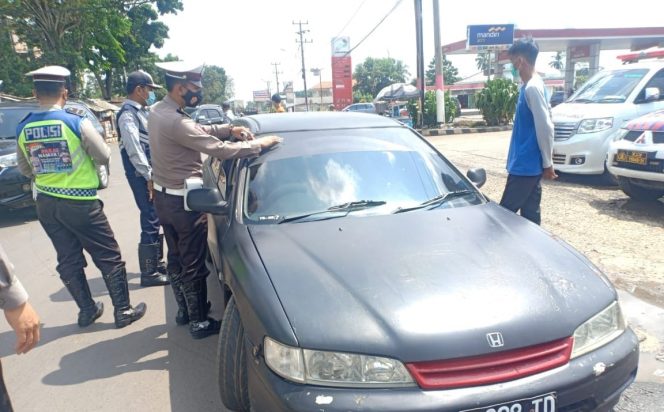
[182, 112]
[76, 111]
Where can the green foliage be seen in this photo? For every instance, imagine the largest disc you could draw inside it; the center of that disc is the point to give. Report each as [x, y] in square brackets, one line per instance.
[217, 86]
[430, 118]
[558, 61]
[105, 37]
[374, 74]
[12, 65]
[497, 101]
[450, 73]
[359, 97]
[483, 61]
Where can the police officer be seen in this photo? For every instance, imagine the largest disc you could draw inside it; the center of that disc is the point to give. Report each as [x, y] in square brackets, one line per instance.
[132, 122]
[59, 149]
[176, 143]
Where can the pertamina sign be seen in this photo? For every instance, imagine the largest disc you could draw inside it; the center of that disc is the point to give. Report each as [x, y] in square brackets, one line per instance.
[490, 37]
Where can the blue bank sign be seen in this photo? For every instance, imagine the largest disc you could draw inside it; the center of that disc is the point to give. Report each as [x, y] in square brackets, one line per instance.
[490, 37]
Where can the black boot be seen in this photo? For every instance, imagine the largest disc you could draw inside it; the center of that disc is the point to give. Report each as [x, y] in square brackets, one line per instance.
[182, 317]
[161, 265]
[200, 325]
[118, 289]
[89, 310]
[148, 259]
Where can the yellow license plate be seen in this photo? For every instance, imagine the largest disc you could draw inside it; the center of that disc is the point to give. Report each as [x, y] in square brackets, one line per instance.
[639, 158]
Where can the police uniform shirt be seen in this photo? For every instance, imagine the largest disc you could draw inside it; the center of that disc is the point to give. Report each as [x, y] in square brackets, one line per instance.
[131, 138]
[92, 142]
[12, 293]
[176, 144]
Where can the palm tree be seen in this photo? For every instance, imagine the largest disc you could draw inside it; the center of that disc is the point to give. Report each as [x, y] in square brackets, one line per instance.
[484, 63]
[558, 61]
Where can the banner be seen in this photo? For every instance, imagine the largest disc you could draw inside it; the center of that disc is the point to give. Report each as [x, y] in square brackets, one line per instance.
[342, 73]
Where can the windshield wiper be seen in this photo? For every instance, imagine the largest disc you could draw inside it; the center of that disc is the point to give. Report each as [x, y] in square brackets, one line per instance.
[436, 201]
[581, 101]
[338, 210]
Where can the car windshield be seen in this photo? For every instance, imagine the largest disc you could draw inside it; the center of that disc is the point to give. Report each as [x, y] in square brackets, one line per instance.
[350, 173]
[613, 86]
[10, 118]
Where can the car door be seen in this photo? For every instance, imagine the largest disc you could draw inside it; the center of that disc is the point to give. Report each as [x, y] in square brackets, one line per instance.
[643, 106]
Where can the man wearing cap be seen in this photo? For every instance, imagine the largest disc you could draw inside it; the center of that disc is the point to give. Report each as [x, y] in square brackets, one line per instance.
[277, 106]
[59, 149]
[132, 122]
[176, 144]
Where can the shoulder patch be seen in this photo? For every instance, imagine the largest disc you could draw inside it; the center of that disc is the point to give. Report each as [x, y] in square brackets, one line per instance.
[75, 111]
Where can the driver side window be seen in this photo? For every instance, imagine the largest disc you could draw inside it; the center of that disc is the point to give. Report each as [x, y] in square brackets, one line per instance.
[657, 81]
[220, 176]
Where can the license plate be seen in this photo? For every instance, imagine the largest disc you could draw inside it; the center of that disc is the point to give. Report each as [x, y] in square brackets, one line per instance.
[628, 156]
[541, 403]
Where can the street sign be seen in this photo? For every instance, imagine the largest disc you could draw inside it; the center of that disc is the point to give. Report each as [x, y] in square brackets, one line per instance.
[490, 37]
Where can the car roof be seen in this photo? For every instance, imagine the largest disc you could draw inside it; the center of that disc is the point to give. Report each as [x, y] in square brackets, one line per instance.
[309, 121]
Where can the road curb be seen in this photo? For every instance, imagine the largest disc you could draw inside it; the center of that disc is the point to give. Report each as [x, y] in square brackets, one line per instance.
[464, 130]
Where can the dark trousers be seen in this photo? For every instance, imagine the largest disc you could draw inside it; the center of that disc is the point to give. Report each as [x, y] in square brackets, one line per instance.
[523, 193]
[186, 236]
[74, 225]
[5, 402]
[139, 187]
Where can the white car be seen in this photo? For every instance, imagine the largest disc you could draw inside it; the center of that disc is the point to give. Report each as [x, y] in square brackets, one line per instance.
[585, 123]
[636, 157]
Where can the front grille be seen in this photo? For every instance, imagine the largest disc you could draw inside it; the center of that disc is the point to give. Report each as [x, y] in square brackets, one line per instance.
[559, 159]
[563, 131]
[493, 368]
[632, 135]
[652, 166]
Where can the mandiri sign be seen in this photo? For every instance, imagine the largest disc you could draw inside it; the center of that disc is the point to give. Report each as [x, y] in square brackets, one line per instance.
[490, 37]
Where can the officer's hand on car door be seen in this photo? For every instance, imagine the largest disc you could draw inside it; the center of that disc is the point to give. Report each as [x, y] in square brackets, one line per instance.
[269, 141]
[241, 133]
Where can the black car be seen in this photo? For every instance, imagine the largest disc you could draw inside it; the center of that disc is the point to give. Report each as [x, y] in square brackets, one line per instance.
[209, 114]
[16, 189]
[362, 271]
[557, 98]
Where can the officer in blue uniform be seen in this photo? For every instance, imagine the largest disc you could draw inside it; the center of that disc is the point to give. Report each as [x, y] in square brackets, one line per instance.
[132, 120]
[59, 150]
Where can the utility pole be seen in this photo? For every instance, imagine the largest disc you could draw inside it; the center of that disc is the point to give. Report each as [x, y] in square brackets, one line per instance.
[276, 73]
[304, 72]
[420, 58]
[317, 72]
[440, 81]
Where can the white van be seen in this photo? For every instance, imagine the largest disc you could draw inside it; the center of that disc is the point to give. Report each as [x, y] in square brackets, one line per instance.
[585, 123]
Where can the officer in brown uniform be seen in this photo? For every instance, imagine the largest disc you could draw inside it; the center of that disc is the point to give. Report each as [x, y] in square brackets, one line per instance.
[176, 144]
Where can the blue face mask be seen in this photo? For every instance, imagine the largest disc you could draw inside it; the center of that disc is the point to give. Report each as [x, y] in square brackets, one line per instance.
[151, 99]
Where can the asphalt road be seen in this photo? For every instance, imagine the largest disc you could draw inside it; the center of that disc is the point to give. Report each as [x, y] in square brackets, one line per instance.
[153, 365]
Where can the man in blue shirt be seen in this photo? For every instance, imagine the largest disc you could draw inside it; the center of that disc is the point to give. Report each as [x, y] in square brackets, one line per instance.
[531, 146]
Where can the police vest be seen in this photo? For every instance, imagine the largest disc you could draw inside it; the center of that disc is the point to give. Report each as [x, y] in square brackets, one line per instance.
[142, 129]
[51, 141]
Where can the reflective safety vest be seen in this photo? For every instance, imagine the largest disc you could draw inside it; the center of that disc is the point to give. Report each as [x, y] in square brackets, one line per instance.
[51, 141]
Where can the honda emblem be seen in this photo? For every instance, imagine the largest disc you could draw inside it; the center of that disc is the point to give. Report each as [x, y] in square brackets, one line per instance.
[495, 339]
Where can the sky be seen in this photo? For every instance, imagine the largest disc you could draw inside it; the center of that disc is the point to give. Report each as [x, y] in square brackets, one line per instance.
[246, 36]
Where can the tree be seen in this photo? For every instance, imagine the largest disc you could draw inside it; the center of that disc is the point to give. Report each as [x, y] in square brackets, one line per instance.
[558, 61]
[450, 73]
[101, 36]
[217, 86]
[374, 74]
[483, 61]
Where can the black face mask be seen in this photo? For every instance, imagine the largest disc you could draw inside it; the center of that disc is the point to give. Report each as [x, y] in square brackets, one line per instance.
[193, 99]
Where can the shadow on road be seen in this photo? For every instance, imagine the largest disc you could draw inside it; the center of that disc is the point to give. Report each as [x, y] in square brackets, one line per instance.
[97, 288]
[596, 182]
[630, 210]
[9, 218]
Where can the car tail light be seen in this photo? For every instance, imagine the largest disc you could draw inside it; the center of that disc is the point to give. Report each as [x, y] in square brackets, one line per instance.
[493, 368]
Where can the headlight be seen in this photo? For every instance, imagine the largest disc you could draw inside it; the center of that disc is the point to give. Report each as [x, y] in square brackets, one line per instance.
[334, 368]
[8, 160]
[619, 135]
[595, 125]
[598, 330]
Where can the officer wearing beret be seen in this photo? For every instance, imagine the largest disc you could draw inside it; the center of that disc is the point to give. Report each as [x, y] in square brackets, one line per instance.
[176, 144]
[132, 122]
[59, 150]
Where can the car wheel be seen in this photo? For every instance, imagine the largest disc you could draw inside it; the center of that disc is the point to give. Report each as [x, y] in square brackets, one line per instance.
[232, 360]
[638, 192]
[102, 173]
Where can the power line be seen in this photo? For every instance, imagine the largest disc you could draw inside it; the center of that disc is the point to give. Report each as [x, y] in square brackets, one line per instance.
[351, 18]
[375, 27]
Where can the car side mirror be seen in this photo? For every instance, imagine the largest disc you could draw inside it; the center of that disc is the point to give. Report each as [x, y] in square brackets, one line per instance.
[477, 176]
[207, 201]
[652, 94]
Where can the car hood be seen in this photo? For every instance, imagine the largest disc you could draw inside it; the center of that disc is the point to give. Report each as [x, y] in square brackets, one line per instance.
[428, 285]
[7, 146]
[575, 112]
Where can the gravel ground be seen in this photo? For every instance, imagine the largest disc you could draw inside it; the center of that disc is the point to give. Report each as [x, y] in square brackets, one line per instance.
[623, 237]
